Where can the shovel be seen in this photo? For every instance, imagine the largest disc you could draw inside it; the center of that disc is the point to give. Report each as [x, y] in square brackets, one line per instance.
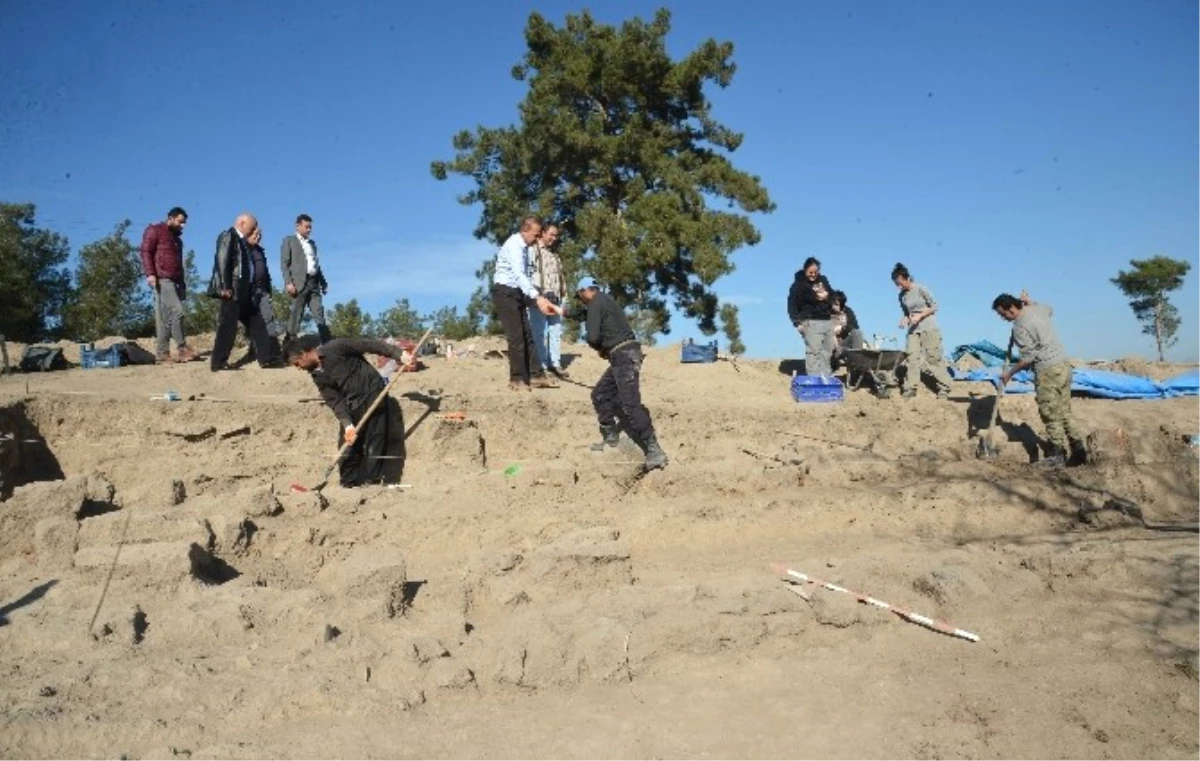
[987, 450]
[366, 416]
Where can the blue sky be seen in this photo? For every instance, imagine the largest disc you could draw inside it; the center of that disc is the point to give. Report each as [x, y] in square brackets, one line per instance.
[989, 146]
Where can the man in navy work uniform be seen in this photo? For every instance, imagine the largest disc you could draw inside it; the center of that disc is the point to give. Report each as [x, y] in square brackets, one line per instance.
[617, 397]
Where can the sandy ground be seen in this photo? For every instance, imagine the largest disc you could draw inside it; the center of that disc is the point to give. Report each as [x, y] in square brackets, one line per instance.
[528, 598]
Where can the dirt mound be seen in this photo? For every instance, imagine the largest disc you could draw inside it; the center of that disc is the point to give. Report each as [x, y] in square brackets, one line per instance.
[517, 593]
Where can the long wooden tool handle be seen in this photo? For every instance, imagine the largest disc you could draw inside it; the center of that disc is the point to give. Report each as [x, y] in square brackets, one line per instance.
[378, 400]
[1000, 386]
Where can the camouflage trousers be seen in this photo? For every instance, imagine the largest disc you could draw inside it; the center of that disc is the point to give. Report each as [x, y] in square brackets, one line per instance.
[1052, 387]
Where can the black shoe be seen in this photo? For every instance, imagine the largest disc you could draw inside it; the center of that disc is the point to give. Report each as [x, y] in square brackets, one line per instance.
[1079, 454]
[655, 457]
[610, 437]
[223, 367]
[1054, 458]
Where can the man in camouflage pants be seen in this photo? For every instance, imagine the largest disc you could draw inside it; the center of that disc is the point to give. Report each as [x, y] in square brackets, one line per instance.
[1038, 345]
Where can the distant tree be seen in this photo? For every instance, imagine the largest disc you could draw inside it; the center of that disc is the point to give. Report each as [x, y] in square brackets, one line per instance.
[34, 283]
[199, 311]
[646, 324]
[733, 328]
[480, 309]
[448, 323]
[349, 321]
[618, 146]
[399, 321]
[110, 297]
[1146, 286]
[281, 302]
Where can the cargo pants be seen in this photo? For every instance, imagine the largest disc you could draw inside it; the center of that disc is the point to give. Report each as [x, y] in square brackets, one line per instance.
[1052, 389]
[924, 350]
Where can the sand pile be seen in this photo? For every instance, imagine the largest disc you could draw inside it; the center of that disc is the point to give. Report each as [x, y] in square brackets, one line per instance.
[523, 596]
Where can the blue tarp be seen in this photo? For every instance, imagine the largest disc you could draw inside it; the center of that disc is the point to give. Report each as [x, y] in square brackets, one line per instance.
[986, 352]
[1102, 383]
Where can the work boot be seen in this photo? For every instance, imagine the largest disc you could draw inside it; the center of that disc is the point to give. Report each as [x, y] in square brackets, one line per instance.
[1054, 458]
[1079, 454]
[655, 457]
[611, 436]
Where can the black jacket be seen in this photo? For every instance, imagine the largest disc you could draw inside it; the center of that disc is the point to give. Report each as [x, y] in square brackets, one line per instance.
[347, 382]
[607, 327]
[803, 303]
[231, 264]
[851, 321]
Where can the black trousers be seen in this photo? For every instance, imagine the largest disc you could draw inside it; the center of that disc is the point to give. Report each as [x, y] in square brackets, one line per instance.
[365, 460]
[522, 354]
[617, 397]
[232, 312]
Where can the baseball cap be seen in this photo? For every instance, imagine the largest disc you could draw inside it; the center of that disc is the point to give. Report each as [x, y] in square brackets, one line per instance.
[585, 283]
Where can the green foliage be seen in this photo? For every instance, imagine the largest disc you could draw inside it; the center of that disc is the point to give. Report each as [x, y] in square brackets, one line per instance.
[618, 146]
[34, 283]
[646, 324]
[446, 322]
[733, 328]
[199, 311]
[110, 296]
[1146, 286]
[480, 309]
[350, 321]
[399, 321]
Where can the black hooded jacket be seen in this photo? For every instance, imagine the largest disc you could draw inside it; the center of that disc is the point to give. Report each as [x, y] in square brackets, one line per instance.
[802, 301]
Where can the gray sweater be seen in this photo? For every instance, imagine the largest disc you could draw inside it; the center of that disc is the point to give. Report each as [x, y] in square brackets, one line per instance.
[1034, 335]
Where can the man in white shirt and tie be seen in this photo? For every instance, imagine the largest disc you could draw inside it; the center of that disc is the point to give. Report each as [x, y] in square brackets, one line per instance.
[303, 279]
[512, 290]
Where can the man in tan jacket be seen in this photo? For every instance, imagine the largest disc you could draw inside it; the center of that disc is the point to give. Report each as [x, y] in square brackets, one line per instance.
[547, 274]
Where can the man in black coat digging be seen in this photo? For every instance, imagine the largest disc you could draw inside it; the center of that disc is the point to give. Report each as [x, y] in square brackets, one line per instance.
[349, 384]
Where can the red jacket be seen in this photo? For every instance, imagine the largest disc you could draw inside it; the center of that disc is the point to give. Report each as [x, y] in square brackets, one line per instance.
[162, 253]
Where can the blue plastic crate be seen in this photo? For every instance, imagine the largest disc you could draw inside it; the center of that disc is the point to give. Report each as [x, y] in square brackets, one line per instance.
[694, 352]
[90, 358]
[817, 388]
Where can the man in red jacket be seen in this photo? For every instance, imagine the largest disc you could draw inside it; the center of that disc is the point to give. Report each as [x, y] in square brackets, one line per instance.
[162, 264]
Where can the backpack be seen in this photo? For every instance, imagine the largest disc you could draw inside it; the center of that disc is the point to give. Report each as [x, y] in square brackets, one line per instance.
[132, 354]
[42, 358]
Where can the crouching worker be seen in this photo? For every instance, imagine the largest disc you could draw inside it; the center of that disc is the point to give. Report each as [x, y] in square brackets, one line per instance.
[617, 397]
[349, 384]
[1038, 346]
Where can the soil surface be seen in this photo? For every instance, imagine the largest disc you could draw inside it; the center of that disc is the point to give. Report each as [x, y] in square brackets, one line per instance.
[517, 595]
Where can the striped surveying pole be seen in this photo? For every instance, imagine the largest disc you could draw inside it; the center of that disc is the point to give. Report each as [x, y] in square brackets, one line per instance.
[916, 618]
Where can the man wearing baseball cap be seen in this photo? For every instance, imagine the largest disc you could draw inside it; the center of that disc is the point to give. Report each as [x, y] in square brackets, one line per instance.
[617, 397]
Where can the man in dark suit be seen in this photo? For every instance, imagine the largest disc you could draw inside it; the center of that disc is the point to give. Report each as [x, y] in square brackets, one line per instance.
[303, 279]
[233, 282]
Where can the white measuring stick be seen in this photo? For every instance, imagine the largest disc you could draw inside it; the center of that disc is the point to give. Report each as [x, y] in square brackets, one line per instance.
[916, 618]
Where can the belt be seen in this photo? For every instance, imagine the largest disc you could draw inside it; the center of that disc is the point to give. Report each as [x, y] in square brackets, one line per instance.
[624, 345]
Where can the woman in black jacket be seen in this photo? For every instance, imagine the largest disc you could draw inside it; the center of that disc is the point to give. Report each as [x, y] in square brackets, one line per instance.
[809, 310]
